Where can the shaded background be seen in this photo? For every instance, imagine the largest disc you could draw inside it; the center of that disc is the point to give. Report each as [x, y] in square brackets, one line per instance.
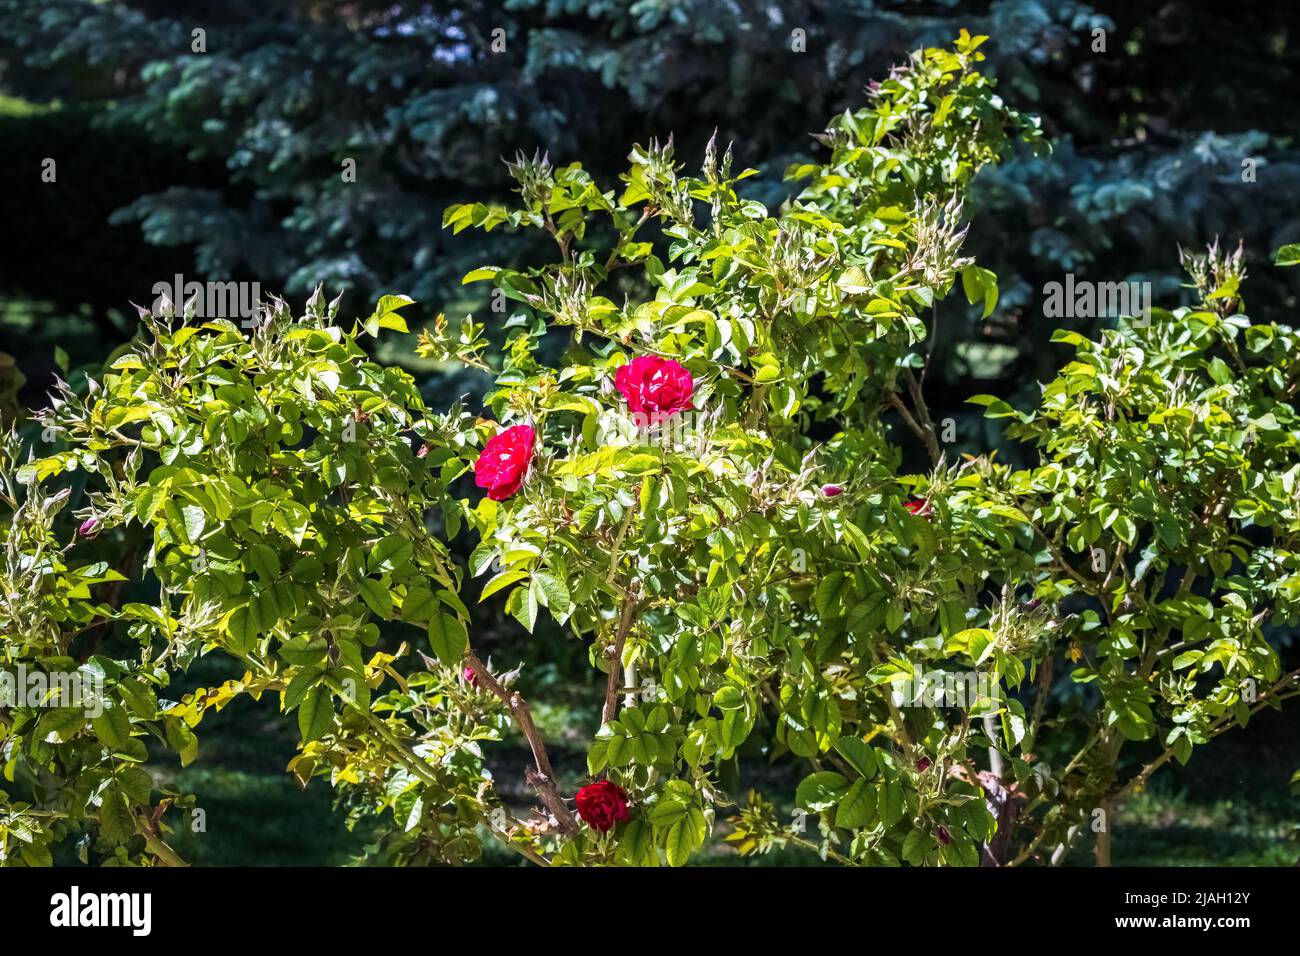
[226, 165]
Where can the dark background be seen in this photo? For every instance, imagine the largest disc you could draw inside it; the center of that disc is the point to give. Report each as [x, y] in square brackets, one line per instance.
[226, 164]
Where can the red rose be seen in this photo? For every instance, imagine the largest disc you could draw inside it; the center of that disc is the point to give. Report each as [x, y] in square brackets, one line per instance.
[923, 765]
[470, 677]
[832, 491]
[602, 804]
[919, 507]
[654, 387]
[504, 462]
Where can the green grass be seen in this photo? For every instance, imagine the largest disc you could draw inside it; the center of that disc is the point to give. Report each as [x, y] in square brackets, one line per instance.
[16, 106]
[1230, 806]
[255, 813]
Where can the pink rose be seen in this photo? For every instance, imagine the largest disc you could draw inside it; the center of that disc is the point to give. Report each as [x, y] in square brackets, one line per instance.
[89, 528]
[654, 387]
[470, 677]
[504, 462]
[832, 491]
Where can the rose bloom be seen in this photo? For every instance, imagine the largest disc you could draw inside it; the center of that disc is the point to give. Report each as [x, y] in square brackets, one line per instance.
[504, 462]
[919, 507]
[654, 387]
[602, 804]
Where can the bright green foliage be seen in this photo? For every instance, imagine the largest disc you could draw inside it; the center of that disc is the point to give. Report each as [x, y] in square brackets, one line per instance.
[737, 607]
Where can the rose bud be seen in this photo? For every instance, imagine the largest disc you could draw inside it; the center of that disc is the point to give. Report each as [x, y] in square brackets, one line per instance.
[602, 805]
[470, 677]
[832, 491]
[919, 507]
[89, 528]
[503, 465]
[923, 764]
[423, 452]
[942, 833]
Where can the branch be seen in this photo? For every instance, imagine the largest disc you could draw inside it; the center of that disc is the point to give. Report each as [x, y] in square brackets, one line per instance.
[923, 412]
[616, 660]
[543, 777]
[931, 444]
[154, 843]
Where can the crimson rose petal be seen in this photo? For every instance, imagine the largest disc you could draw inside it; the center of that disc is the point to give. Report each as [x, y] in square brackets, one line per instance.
[602, 805]
[655, 387]
[502, 466]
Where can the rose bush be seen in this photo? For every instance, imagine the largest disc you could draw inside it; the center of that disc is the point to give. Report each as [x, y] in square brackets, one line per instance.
[761, 583]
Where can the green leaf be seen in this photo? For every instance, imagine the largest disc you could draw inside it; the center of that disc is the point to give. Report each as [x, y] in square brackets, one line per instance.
[116, 821]
[375, 594]
[389, 554]
[419, 604]
[859, 754]
[502, 580]
[60, 724]
[303, 681]
[523, 605]
[826, 598]
[1288, 255]
[890, 802]
[980, 284]
[857, 807]
[685, 837]
[182, 740]
[264, 562]
[448, 638]
[916, 845]
[243, 628]
[552, 592]
[821, 790]
[316, 713]
[636, 844]
[135, 783]
[113, 727]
